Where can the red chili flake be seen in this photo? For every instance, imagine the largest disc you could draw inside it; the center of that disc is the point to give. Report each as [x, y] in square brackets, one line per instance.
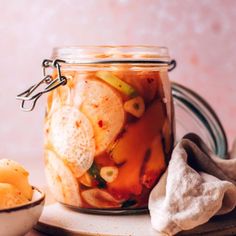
[100, 123]
[78, 123]
[150, 80]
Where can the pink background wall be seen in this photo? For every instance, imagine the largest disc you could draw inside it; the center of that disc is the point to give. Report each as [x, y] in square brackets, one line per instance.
[201, 35]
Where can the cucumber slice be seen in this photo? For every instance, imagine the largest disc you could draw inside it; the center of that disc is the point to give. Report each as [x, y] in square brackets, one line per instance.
[95, 173]
[117, 83]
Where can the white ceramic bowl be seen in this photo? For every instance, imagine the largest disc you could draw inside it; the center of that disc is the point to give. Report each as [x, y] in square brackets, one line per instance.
[19, 220]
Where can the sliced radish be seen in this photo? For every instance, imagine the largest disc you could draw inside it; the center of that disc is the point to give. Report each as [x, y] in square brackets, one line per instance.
[86, 180]
[53, 103]
[100, 199]
[61, 180]
[71, 135]
[103, 107]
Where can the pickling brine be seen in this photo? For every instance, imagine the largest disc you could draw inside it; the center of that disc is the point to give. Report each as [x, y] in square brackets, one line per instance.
[109, 131]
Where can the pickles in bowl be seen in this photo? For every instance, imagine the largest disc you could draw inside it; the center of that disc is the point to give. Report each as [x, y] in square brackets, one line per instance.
[20, 204]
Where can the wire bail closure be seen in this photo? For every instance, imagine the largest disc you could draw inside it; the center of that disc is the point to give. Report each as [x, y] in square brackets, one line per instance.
[28, 96]
[172, 64]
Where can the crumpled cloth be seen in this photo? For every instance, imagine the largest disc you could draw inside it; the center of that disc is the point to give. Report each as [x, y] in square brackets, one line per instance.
[196, 186]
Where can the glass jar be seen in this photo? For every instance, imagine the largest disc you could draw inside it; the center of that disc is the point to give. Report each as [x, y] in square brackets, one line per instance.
[110, 125]
[109, 130]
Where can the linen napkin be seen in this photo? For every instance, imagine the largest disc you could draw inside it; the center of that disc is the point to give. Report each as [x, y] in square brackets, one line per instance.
[196, 186]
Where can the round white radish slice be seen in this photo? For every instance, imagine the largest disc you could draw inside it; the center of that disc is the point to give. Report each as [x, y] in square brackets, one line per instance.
[57, 98]
[103, 107]
[61, 181]
[71, 134]
[100, 199]
[53, 103]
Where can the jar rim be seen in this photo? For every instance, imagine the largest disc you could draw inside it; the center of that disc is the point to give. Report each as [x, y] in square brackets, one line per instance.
[113, 53]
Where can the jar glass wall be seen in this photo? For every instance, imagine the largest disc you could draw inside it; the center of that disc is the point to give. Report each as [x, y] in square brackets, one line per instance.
[109, 131]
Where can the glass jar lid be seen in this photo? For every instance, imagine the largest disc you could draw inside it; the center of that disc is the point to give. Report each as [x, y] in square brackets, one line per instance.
[194, 114]
[154, 56]
[111, 54]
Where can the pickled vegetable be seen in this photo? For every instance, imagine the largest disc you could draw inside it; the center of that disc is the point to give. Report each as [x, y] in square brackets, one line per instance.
[109, 173]
[61, 180]
[86, 180]
[135, 106]
[71, 135]
[131, 149]
[13, 173]
[109, 133]
[155, 165]
[11, 196]
[95, 173]
[100, 199]
[117, 83]
[104, 109]
[146, 83]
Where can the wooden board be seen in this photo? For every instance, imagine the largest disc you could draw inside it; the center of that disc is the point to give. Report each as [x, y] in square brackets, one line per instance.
[60, 221]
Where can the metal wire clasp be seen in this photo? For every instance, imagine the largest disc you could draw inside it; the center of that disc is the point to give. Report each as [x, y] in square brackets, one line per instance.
[172, 64]
[31, 96]
[28, 96]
